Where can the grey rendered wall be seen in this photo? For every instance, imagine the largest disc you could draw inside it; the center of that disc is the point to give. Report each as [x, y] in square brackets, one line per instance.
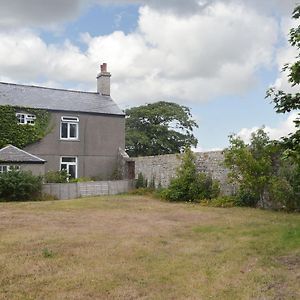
[163, 167]
[36, 169]
[100, 137]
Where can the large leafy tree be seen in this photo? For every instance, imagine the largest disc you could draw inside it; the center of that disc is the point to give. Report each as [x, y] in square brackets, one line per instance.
[159, 128]
[287, 102]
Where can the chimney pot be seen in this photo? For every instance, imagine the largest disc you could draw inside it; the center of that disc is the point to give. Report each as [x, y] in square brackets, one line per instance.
[104, 67]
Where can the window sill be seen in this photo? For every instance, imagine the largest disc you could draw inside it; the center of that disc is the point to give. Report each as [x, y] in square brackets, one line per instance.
[68, 140]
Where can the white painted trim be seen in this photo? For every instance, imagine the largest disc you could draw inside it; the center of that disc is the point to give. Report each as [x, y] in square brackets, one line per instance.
[69, 122]
[70, 163]
[26, 118]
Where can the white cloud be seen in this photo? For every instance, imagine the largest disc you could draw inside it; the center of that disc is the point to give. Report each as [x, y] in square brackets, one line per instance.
[192, 59]
[283, 129]
[53, 13]
[19, 13]
[199, 148]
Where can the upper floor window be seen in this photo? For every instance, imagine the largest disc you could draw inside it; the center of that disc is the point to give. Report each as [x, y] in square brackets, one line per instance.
[7, 168]
[26, 118]
[69, 128]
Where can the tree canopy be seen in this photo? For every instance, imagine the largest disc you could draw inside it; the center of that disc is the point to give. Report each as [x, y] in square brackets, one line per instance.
[287, 102]
[159, 128]
[251, 166]
[262, 176]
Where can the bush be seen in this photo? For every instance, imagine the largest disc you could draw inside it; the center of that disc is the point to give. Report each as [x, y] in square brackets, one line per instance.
[56, 177]
[282, 195]
[19, 186]
[116, 174]
[141, 182]
[141, 191]
[189, 185]
[80, 179]
[246, 198]
[224, 201]
[215, 189]
[152, 183]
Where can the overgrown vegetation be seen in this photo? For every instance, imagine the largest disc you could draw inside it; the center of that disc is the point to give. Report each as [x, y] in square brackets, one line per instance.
[19, 186]
[265, 177]
[56, 177]
[141, 181]
[189, 184]
[11, 132]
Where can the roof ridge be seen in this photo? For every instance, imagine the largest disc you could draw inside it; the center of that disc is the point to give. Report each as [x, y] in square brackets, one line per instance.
[48, 88]
[5, 147]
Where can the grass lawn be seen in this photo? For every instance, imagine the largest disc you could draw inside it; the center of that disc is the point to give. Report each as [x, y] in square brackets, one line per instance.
[135, 247]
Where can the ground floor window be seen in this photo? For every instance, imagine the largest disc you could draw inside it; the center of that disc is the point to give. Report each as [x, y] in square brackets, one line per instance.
[69, 164]
[7, 168]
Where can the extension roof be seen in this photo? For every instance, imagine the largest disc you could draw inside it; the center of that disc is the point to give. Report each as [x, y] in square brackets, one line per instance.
[12, 154]
[57, 99]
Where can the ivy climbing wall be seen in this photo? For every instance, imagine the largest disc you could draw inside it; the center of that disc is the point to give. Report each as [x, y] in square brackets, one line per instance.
[21, 135]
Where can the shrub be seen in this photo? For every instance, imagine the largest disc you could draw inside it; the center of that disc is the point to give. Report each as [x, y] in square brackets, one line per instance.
[282, 195]
[189, 185]
[246, 197]
[152, 183]
[141, 182]
[224, 201]
[97, 178]
[20, 185]
[141, 191]
[56, 177]
[215, 189]
[116, 174]
[80, 179]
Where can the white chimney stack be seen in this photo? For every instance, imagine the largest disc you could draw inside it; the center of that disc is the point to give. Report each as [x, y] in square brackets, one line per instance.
[103, 81]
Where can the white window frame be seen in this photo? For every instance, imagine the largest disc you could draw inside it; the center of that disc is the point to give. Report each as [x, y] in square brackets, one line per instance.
[27, 118]
[69, 164]
[8, 168]
[70, 120]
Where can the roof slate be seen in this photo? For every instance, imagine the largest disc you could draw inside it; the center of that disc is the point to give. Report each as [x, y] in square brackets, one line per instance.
[11, 153]
[56, 99]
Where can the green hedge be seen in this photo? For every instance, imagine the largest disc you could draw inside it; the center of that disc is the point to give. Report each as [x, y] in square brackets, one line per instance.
[19, 186]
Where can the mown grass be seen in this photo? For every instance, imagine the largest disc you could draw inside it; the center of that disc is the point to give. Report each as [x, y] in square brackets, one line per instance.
[135, 247]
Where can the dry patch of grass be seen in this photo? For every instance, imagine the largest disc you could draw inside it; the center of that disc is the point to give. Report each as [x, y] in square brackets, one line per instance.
[134, 247]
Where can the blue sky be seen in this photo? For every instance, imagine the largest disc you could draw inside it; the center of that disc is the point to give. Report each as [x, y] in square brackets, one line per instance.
[217, 57]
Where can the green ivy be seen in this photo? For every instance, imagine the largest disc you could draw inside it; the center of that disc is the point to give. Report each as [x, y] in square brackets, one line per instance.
[20, 135]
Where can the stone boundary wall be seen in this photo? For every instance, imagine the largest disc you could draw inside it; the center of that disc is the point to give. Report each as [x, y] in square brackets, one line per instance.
[163, 167]
[86, 189]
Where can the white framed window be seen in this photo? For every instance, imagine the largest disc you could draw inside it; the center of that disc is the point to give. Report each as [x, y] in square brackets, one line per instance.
[69, 128]
[25, 118]
[7, 168]
[69, 163]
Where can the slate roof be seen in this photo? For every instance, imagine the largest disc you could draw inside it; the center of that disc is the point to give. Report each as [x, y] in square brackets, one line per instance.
[13, 154]
[56, 99]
